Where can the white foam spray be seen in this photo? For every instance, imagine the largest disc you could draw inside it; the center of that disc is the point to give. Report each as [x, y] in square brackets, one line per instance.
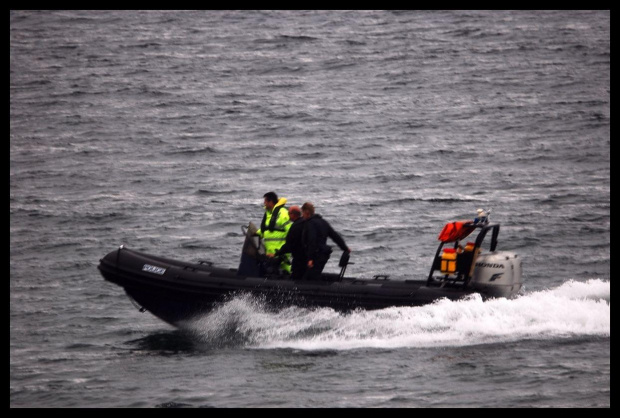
[572, 309]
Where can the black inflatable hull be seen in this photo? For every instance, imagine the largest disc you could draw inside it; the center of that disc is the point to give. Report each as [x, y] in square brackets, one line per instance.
[176, 291]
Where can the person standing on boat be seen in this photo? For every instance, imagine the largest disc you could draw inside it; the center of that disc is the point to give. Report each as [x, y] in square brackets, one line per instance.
[316, 232]
[274, 228]
[294, 244]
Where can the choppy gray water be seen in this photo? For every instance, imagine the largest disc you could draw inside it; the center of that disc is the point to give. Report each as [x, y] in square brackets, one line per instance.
[162, 131]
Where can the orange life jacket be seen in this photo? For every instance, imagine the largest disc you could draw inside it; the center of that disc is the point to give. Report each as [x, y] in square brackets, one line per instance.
[455, 231]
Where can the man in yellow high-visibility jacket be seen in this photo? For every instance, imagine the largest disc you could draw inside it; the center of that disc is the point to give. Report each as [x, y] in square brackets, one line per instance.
[274, 227]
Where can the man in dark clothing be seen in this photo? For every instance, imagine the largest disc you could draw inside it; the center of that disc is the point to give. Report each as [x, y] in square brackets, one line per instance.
[294, 244]
[316, 232]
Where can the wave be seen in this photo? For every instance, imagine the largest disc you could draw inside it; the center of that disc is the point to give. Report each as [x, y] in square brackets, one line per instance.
[573, 309]
[285, 39]
[193, 150]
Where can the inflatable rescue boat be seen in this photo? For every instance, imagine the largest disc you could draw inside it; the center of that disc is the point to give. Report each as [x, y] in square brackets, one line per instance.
[175, 291]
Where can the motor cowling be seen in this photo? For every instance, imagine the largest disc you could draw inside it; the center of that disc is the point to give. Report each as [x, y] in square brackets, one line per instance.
[497, 274]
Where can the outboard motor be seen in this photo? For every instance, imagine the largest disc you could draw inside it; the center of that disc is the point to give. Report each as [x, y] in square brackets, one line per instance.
[497, 274]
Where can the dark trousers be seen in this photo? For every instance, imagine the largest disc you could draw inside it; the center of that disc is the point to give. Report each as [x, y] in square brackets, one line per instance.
[298, 267]
[314, 273]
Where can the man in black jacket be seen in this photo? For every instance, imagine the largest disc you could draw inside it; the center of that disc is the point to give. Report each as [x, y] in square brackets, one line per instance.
[316, 232]
[294, 244]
